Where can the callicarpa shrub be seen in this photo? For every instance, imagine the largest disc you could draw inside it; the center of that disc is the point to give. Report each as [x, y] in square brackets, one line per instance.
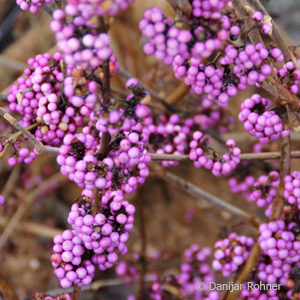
[220, 69]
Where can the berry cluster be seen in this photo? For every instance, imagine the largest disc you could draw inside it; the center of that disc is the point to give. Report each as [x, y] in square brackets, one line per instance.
[260, 122]
[279, 242]
[21, 155]
[32, 5]
[107, 232]
[219, 164]
[41, 102]
[89, 8]
[264, 190]
[289, 76]
[123, 162]
[96, 239]
[70, 265]
[195, 269]
[231, 253]
[78, 39]
[292, 188]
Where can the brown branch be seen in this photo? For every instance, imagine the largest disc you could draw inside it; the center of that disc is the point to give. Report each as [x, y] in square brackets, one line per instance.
[76, 292]
[98, 202]
[34, 228]
[25, 205]
[199, 193]
[243, 156]
[104, 149]
[285, 169]
[40, 148]
[11, 181]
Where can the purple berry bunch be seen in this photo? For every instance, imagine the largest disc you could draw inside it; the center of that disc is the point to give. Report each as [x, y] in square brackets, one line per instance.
[41, 102]
[200, 40]
[96, 239]
[210, 25]
[32, 5]
[88, 8]
[69, 260]
[122, 163]
[289, 76]
[292, 189]
[279, 241]
[42, 78]
[264, 190]
[231, 253]
[195, 269]
[250, 65]
[260, 122]
[81, 92]
[106, 232]
[79, 39]
[218, 164]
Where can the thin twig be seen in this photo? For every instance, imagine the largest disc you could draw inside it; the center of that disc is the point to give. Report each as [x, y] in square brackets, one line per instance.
[40, 148]
[199, 193]
[34, 228]
[243, 156]
[76, 292]
[105, 140]
[11, 181]
[98, 202]
[23, 207]
[285, 169]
